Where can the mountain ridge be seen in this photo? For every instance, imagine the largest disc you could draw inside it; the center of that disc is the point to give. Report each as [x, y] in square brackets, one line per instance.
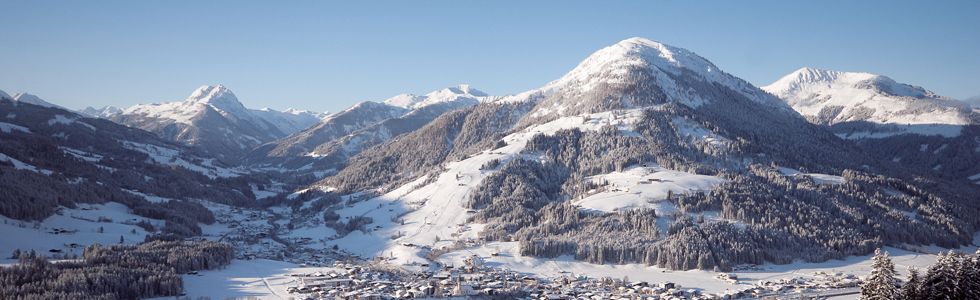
[335, 138]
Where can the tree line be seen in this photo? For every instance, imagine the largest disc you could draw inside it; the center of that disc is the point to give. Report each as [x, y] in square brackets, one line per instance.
[953, 276]
[147, 270]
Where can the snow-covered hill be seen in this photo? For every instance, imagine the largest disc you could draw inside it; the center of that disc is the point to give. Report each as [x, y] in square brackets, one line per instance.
[28, 98]
[832, 97]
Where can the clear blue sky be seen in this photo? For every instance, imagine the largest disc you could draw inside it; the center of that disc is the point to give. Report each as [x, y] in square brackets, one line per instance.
[326, 55]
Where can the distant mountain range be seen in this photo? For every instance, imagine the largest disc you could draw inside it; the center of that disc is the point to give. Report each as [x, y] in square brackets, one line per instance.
[337, 137]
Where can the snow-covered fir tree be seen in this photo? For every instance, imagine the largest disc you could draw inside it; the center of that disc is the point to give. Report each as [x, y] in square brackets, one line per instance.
[940, 281]
[968, 278]
[881, 284]
[910, 289]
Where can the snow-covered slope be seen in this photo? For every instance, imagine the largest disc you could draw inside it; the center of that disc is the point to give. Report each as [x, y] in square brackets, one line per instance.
[32, 99]
[4, 95]
[211, 118]
[105, 112]
[289, 121]
[832, 97]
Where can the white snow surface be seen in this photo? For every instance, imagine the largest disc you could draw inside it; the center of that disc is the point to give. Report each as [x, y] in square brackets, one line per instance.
[19, 165]
[7, 127]
[872, 98]
[4, 95]
[819, 178]
[83, 219]
[60, 119]
[632, 189]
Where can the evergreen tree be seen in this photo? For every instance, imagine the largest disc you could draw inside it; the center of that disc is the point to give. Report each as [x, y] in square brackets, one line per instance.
[940, 281]
[910, 290]
[968, 278]
[881, 284]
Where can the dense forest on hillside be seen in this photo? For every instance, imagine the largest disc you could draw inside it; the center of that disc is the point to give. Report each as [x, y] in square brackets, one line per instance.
[148, 270]
[948, 158]
[776, 217]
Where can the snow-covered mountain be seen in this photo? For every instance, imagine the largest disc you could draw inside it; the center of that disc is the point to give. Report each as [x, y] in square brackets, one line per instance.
[4, 95]
[832, 97]
[51, 156]
[290, 120]
[637, 142]
[462, 95]
[211, 118]
[105, 112]
[32, 99]
[341, 135]
[904, 123]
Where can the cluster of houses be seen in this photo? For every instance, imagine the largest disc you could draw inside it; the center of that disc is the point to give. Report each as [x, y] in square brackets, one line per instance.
[360, 282]
[822, 283]
[249, 232]
[356, 282]
[565, 288]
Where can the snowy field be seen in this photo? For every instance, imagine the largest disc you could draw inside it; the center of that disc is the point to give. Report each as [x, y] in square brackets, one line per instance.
[268, 279]
[84, 219]
[265, 279]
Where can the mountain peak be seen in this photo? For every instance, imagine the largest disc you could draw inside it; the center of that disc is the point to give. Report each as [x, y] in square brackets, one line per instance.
[658, 54]
[808, 79]
[463, 91]
[32, 99]
[807, 76]
[213, 94]
[666, 65]
[105, 112]
[835, 97]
